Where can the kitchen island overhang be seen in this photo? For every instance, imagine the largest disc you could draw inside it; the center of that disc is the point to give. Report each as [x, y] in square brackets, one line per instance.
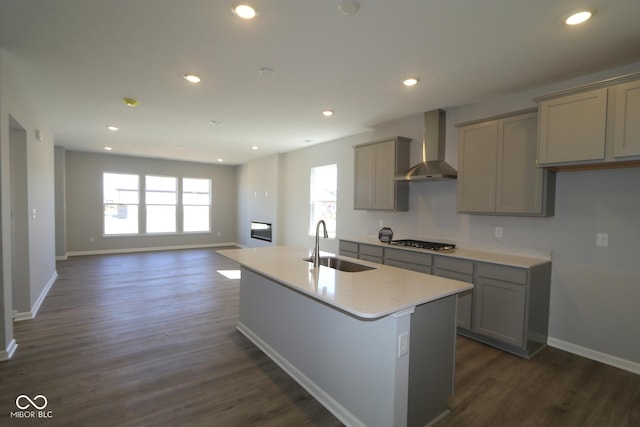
[375, 347]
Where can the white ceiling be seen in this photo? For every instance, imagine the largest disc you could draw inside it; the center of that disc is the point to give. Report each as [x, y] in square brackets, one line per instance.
[79, 58]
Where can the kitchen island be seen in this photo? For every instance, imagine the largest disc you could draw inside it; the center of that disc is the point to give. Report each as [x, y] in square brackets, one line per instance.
[375, 347]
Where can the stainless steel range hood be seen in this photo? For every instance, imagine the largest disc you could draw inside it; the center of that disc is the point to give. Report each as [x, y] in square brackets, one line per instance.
[433, 167]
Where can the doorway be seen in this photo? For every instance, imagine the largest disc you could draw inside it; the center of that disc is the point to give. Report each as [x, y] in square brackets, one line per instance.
[19, 220]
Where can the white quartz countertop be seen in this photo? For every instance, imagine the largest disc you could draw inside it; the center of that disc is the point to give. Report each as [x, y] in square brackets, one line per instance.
[369, 294]
[513, 260]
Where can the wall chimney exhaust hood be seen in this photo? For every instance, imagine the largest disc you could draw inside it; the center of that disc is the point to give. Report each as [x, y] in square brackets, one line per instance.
[433, 167]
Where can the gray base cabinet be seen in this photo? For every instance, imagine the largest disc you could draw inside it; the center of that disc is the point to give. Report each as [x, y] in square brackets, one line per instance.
[508, 307]
[458, 269]
[500, 310]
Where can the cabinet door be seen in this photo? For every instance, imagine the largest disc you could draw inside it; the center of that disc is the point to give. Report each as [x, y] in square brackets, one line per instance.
[499, 310]
[627, 120]
[384, 172]
[573, 128]
[457, 269]
[465, 298]
[364, 177]
[477, 159]
[519, 181]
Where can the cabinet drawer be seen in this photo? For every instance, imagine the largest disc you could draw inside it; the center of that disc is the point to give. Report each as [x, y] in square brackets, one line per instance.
[370, 258]
[408, 266]
[348, 246]
[407, 256]
[454, 275]
[454, 264]
[370, 250]
[503, 273]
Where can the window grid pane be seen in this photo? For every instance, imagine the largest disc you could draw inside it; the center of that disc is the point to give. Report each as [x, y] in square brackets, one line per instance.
[161, 219]
[120, 195]
[196, 218]
[196, 202]
[323, 197]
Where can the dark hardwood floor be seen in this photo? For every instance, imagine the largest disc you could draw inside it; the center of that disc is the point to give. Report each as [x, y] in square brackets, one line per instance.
[149, 339]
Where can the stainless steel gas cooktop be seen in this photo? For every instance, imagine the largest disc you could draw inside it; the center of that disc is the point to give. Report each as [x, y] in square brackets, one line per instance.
[421, 244]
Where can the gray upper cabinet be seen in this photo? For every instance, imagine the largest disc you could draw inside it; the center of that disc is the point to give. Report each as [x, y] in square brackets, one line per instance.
[497, 170]
[376, 165]
[477, 157]
[627, 120]
[597, 124]
[573, 127]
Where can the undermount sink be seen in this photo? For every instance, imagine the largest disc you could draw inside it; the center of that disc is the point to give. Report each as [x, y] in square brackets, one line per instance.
[341, 264]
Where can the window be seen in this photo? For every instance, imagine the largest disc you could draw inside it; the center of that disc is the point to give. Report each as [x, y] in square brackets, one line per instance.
[161, 200]
[196, 200]
[170, 204]
[323, 200]
[121, 199]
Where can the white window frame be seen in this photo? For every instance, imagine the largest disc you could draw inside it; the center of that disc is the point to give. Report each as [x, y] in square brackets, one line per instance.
[318, 179]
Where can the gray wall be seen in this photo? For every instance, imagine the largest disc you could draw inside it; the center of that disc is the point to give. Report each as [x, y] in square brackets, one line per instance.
[84, 209]
[16, 103]
[61, 204]
[594, 290]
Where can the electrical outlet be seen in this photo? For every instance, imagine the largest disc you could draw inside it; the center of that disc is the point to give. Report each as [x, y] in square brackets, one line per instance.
[602, 239]
[381, 223]
[498, 232]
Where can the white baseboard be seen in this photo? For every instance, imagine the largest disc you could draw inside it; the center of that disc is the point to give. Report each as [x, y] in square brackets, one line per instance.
[148, 249]
[319, 394]
[608, 359]
[8, 353]
[19, 316]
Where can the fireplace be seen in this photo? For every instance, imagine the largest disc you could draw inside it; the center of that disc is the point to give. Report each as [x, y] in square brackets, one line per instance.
[261, 230]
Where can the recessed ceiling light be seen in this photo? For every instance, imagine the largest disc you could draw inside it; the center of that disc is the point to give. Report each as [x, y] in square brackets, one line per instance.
[108, 148]
[578, 17]
[412, 81]
[266, 72]
[220, 160]
[327, 113]
[349, 7]
[254, 147]
[244, 10]
[130, 102]
[112, 128]
[191, 78]
[179, 147]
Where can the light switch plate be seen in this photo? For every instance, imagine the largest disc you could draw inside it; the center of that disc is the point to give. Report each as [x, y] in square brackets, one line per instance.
[602, 239]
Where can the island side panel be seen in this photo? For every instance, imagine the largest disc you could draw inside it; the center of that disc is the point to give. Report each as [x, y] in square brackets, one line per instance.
[349, 364]
[432, 360]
